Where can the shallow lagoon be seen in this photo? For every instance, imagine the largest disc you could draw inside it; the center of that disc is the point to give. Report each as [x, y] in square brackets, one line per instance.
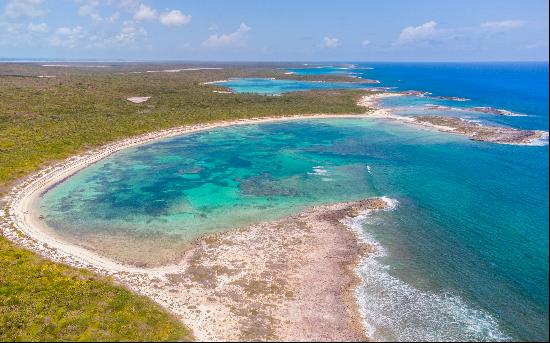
[468, 239]
[267, 86]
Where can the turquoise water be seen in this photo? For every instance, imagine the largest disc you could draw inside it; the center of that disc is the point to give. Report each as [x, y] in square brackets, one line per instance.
[463, 256]
[266, 86]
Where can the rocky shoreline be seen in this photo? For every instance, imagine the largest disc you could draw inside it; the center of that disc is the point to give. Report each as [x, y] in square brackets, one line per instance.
[456, 125]
[484, 133]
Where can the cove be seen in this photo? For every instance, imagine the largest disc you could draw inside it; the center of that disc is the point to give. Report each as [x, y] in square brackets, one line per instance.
[469, 234]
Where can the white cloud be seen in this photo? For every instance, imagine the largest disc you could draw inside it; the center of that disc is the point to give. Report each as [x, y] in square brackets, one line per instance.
[365, 42]
[174, 18]
[145, 12]
[78, 37]
[11, 28]
[18, 34]
[226, 39]
[501, 26]
[130, 34]
[169, 18]
[23, 8]
[39, 28]
[423, 32]
[89, 9]
[113, 18]
[330, 42]
[68, 37]
[126, 4]
[8, 32]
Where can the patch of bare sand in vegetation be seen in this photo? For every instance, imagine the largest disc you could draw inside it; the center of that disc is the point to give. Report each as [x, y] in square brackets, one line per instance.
[138, 99]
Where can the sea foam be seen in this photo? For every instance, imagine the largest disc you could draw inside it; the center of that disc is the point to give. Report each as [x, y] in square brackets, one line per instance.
[394, 310]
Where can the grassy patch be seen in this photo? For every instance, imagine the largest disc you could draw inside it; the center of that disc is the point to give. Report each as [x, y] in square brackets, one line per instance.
[42, 301]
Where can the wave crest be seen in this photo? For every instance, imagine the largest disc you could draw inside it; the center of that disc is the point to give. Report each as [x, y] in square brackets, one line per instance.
[395, 310]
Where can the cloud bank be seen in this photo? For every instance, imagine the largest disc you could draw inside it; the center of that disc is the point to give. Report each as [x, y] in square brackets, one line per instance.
[227, 39]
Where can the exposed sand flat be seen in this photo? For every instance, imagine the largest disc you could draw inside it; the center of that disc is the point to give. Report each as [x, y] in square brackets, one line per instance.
[176, 70]
[214, 82]
[74, 66]
[452, 98]
[486, 110]
[138, 99]
[287, 280]
[373, 100]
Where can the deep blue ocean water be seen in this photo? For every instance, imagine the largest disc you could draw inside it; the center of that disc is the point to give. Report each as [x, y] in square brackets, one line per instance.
[520, 87]
[463, 256]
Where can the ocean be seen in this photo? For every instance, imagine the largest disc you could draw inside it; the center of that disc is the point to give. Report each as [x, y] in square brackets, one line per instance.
[463, 256]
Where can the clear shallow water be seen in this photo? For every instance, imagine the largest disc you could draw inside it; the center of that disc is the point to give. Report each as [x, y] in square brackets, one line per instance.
[266, 86]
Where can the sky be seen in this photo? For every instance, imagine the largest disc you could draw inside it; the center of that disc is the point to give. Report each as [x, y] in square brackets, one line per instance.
[262, 30]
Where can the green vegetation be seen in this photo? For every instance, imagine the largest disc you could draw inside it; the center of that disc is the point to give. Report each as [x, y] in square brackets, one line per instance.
[48, 119]
[42, 301]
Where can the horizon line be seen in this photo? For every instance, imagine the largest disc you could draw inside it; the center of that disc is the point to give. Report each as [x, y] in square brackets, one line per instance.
[79, 60]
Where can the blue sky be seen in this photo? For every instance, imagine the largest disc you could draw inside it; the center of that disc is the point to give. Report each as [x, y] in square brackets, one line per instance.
[261, 30]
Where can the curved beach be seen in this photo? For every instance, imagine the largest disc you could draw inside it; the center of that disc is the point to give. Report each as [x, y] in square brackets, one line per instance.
[216, 296]
[251, 283]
